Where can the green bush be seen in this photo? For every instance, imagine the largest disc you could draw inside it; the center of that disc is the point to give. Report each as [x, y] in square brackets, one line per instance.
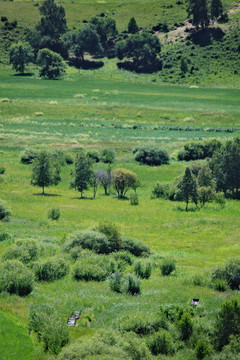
[16, 278]
[141, 323]
[2, 170]
[5, 211]
[203, 349]
[143, 270]
[185, 327]
[230, 272]
[29, 156]
[4, 236]
[24, 251]
[167, 266]
[124, 257]
[90, 269]
[38, 315]
[50, 269]
[116, 282]
[113, 235]
[134, 199]
[199, 150]
[161, 343]
[164, 191]
[54, 213]
[76, 252]
[152, 155]
[69, 159]
[132, 285]
[94, 155]
[91, 240]
[220, 285]
[135, 247]
[55, 335]
[108, 156]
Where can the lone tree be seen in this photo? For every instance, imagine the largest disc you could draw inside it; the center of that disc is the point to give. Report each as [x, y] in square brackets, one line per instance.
[123, 180]
[104, 178]
[20, 55]
[187, 188]
[45, 171]
[51, 64]
[132, 26]
[82, 174]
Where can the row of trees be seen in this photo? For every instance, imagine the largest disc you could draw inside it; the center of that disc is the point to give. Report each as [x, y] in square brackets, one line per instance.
[46, 172]
[204, 11]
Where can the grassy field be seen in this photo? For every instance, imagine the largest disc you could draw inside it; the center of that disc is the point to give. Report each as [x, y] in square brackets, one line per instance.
[112, 110]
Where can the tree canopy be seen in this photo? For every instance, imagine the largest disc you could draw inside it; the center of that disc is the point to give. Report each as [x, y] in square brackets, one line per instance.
[51, 64]
[20, 55]
[187, 188]
[82, 174]
[45, 171]
[123, 180]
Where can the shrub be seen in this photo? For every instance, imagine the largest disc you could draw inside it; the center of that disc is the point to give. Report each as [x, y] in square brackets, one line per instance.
[94, 155]
[90, 270]
[123, 257]
[2, 170]
[24, 251]
[164, 191]
[113, 235]
[132, 285]
[152, 156]
[167, 266]
[76, 252]
[220, 200]
[143, 270]
[91, 240]
[135, 247]
[230, 272]
[4, 236]
[199, 150]
[37, 316]
[69, 159]
[161, 343]
[50, 269]
[29, 156]
[134, 199]
[5, 211]
[54, 213]
[141, 323]
[185, 327]
[16, 278]
[220, 285]
[116, 282]
[202, 349]
[55, 335]
[108, 156]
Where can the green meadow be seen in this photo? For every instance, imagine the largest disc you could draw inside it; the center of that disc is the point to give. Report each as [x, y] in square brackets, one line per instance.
[97, 110]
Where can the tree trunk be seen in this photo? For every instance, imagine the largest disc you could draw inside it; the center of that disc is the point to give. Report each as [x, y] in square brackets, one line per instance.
[187, 206]
[81, 195]
[43, 191]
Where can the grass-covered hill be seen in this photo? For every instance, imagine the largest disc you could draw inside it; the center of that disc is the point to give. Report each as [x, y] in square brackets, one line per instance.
[212, 55]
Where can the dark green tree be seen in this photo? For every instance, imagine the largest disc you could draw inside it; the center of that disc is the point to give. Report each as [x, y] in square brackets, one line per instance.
[216, 9]
[82, 174]
[84, 41]
[45, 171]
[227, 323]
[183, 66]
[106, 29]
[142, 48]
[225, 165]
[20, 55]
[199, 10]
[187, 188]
[132, 26]
[51, 64]
[53, 22]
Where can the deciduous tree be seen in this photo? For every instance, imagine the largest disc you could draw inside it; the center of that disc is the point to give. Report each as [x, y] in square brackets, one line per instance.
[51, 64]
[20, 55]
[82, 174]
[123, 180]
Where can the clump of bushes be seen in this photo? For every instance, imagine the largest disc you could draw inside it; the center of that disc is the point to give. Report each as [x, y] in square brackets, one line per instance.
[94, 155]
[153, 156]
[16, 278]
[141, 323]
[135, 247]
[5, 211]
[129, 284]
[2, 169]
[49, 328]
[90, 269]
[28, 156]
[143, 270]
[50, 269]
[164, 191]
[230, 272]
[91, 240]
[161, 343]
[113, 235]
[23, 250]
[167, 266]
[54, 213]
[199, 150]
[108, 156]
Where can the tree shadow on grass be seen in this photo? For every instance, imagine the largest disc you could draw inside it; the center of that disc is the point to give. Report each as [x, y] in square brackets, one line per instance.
[82, 198]
[204, 37]
[191, 209]
[23, 74]
[46, 195]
